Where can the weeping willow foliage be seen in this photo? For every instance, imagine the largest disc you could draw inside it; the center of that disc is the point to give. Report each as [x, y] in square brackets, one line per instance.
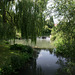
[27, 18]
[7, 30]
[30, 18]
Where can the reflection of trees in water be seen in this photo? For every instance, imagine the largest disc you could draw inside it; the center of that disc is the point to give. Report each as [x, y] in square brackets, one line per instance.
[51, 51]
[67, 67]
[39, 71]
[32, 69]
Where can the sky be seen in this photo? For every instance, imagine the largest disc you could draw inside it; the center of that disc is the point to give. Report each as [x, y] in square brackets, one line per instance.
[51, 13]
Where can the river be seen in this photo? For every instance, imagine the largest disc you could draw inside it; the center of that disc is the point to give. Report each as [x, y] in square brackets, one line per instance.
[45, 61]
[40, 43]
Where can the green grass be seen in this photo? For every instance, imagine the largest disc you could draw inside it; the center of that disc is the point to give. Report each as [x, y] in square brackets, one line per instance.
[5, 54]
[14, 57]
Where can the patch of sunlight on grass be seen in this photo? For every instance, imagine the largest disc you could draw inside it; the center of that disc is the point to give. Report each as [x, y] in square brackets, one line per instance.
[0, 69]
[11, 52]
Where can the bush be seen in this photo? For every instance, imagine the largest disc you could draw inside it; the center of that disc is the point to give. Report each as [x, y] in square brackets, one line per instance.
[27, 49]
[18, 61]
[22, 48]
[16, 47]
[0, 71]
[7, 70]
[67, 50]
[6, 42]
[53, 38]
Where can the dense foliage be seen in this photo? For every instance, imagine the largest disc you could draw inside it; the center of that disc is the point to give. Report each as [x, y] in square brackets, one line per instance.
[23, 16]
[7, 30]
[22, 48]
[63, 34]
[18, 60]
[64, 39]
[48, 27]
[27, 17]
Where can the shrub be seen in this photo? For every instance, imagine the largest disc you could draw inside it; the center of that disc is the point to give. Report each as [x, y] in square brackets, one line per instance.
[0, 71]
[18, 61]
[6, 42]
[27, 49]
[7, 70]
[67, 50]
[53, 38]
[16, 47]
[22, 48]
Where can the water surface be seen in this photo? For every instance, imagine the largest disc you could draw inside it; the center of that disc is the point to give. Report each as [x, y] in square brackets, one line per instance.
[44, 63]
[40, 43]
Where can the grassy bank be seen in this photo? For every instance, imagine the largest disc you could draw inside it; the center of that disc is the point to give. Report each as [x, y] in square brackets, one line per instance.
[13, 58]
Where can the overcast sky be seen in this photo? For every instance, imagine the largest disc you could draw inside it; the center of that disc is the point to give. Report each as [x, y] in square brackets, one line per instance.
[51, 13]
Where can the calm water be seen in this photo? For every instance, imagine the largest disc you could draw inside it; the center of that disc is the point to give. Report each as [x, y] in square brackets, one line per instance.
[40, 43]
[45, 61]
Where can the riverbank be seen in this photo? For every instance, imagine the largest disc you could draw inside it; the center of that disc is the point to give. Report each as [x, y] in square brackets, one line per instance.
[23, 59]
[11, 60]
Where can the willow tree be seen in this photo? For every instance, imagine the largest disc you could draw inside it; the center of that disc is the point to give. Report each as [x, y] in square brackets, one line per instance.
[29, 17]
[6, 19]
